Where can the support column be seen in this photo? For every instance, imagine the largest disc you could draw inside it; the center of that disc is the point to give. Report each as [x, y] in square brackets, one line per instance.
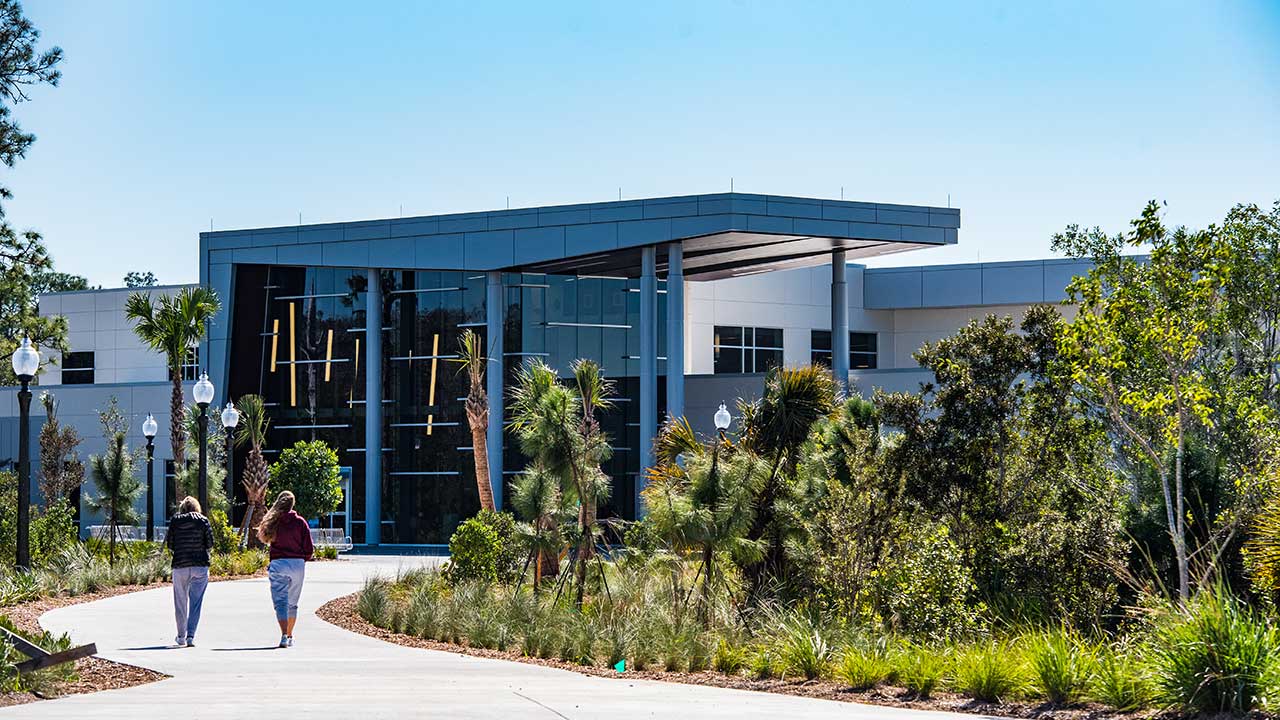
[648, 364]
[495, 309]
[675, 330]
[373, 410]
[839, 320]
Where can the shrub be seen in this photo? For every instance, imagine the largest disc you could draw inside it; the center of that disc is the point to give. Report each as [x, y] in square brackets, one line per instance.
[239, 562]
[53, 529]
[863, 668]
[1062, 662]
[423, 616]
[762, 663]
[473, 553]
[374, 603]
[920, 668]
[1216, 655]
[507, 563]
[225, 538]
[1120, 680]
[310, 471]
[990, 671]
[925, 588]
[326, 552]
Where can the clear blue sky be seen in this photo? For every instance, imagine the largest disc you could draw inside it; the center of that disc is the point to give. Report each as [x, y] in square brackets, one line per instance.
[1029, 115]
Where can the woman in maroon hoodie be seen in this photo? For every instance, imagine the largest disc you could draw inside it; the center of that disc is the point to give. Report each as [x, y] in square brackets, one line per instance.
[290, 539]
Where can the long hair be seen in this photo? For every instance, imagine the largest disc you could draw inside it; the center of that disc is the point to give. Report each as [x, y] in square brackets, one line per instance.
[280, 508]
[189, 505]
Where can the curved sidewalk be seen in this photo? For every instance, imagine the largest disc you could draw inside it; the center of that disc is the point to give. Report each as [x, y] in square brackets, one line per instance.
[236, 672]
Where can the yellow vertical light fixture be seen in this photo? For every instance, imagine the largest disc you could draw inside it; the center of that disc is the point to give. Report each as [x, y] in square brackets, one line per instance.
[351, 397]
[293, 356]
[275, 341]
[328, 355]
[431, 392]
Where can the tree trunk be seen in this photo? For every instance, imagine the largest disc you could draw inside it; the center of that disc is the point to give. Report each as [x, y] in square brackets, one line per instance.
[707, 558]
[478, 419]
[177, 416]
[1180, 529]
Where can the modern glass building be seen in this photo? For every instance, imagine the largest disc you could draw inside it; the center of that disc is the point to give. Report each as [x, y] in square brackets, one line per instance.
[349, 331]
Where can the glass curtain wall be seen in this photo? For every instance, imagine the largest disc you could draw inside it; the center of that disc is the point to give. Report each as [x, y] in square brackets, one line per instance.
[298, 339]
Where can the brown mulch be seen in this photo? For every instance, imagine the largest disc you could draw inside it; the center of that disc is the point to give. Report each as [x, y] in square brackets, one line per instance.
[342, 612]
[92, 673]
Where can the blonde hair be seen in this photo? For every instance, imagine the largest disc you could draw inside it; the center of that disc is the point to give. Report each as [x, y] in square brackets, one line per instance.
[189, 505]
[281, 507]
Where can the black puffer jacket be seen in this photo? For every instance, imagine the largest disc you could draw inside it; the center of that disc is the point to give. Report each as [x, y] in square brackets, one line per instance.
[190, 538]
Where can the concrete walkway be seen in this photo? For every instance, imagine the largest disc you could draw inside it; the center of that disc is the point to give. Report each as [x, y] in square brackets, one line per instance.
[235, 671]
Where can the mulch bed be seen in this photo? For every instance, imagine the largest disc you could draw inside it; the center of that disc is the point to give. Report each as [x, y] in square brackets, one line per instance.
[92, 673]
[342, 612]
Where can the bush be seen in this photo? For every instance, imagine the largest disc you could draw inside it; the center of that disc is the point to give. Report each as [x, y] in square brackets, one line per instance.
[225, 538]
[510, 556]
[729, 657]
[1063, 664]
[924, 588]
[802, 647]
[991, 671]
[53, 530]
[240, 562]
[310, 471]
[326, 552]
[1216, 655]
[473, 553]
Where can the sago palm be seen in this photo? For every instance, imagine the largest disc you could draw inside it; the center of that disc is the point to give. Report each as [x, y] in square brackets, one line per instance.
[172, 324]
[473, 362]
[252, 431]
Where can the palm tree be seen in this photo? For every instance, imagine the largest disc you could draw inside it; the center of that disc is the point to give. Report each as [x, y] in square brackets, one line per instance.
[477, 404]
[173, 324]
[593, 485]
[536, 496]
[252, 431]
[709, 511]
[117, 487]
[775, 427]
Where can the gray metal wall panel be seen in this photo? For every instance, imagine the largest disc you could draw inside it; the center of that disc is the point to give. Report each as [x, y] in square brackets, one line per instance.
[439, 252]
[1012, 284]
[538, 244]
[886, 290]
[950, 287]
[489, 250]
[593, 238]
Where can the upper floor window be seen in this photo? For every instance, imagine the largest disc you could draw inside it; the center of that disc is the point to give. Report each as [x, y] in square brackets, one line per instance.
[747, 350]
[190, 367]
[862, 349]
[77, 368]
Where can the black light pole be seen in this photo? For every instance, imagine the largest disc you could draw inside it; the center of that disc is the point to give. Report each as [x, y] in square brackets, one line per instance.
[149, 428]
[230, 418]
[26, 361]
[203, 394]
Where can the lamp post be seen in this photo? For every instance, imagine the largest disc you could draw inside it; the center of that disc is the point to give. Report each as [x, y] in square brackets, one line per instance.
[723, 420]
[203, 394]
[149, 429]
[230, 418]
[26, 361]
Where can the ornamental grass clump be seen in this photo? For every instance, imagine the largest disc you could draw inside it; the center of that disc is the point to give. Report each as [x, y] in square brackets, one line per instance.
[990, 671]
[1214, 655]
[801, 645]
[1120, 679]
[920, 668]
[1062, 662]
[863, 667]
[374, 602]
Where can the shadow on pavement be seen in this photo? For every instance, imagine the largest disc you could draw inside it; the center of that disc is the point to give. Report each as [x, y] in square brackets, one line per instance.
[157, 647]
[246, 649]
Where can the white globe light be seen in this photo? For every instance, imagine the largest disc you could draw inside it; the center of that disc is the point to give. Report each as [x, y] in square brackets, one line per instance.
[203, 390]
[150, 426]
[723, 418]
[26, 360]
[230, 416]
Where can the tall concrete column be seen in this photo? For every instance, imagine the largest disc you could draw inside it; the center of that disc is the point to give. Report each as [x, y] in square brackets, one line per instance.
[495, 309]
[675, 330]
[648, 364]
[373, 410]
[839, 320]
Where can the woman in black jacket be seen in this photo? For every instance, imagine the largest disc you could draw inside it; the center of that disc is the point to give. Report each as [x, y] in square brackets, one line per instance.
[190, 537]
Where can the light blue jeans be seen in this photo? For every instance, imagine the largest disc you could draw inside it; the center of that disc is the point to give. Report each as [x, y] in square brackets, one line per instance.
[189, 584]
[286, 576]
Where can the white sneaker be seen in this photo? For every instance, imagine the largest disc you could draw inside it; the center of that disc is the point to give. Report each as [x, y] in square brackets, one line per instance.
[290, 641]
[284, 641]
[180, 641]
[191, 642]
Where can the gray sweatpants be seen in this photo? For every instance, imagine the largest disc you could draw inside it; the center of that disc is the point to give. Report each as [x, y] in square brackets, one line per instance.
[189, 584]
